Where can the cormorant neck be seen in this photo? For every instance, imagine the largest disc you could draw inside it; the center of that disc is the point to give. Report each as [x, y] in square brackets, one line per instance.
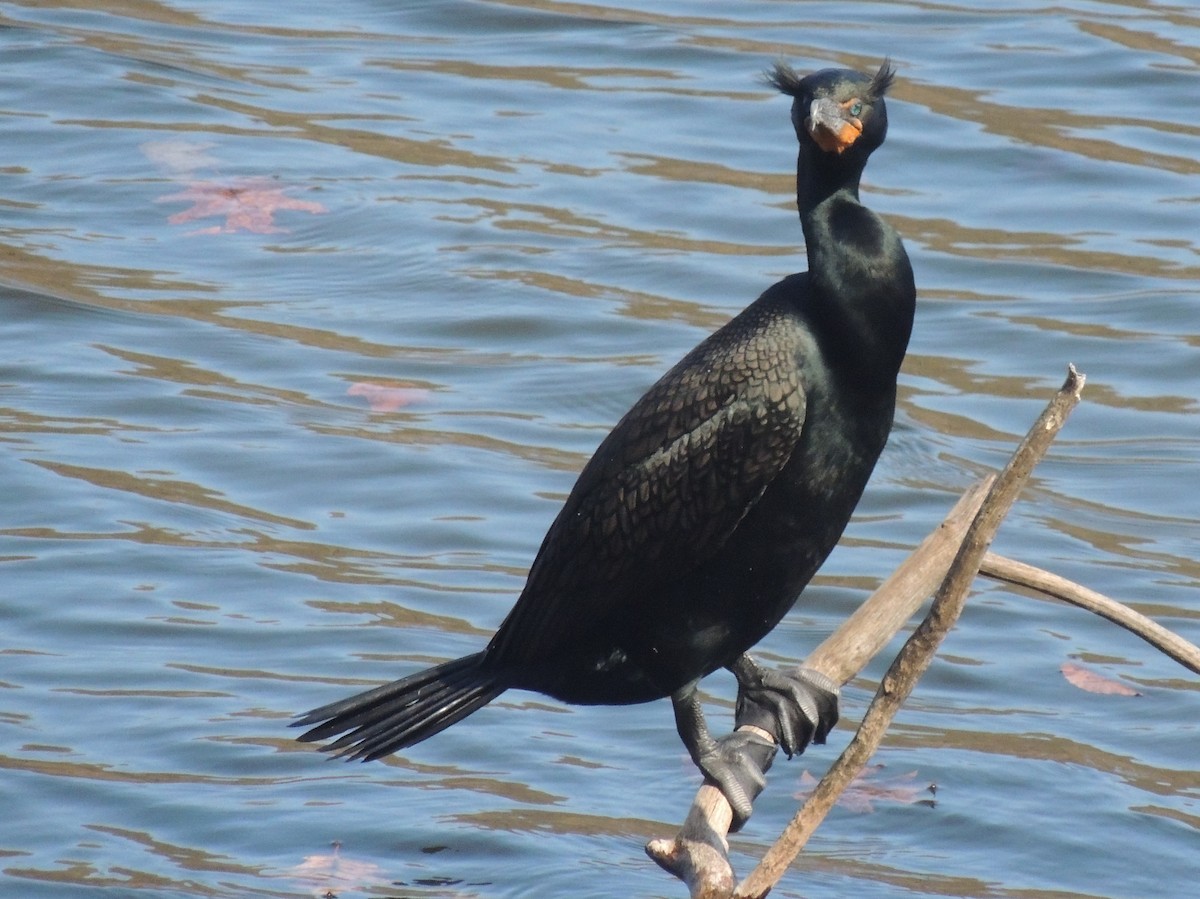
[863, 296]
[818, 179]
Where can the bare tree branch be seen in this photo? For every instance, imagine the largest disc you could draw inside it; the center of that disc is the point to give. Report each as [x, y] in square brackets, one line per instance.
[917, 653]
[1013, 572]
[698, 854]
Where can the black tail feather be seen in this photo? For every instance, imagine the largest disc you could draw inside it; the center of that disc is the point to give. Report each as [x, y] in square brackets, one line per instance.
[408, 713]
[451, 712]
[404, 712]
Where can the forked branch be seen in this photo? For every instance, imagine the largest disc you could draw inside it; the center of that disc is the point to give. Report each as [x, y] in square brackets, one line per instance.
[917, 653]
[698, 854]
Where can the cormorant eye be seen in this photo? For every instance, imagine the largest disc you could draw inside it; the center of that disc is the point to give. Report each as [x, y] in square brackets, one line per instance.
[856, 109]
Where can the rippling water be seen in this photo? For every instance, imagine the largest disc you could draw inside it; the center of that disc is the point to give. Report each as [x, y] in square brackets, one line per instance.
[311, 313]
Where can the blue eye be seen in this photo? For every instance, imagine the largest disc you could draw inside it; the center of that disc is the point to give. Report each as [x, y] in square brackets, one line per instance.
[856, 109]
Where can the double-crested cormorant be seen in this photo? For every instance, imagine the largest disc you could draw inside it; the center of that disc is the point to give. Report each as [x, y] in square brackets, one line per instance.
[711, 504]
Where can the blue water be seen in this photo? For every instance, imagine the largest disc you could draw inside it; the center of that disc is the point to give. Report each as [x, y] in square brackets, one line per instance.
[229, 230]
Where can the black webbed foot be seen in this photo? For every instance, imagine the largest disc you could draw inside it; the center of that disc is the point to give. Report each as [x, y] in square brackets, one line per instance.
[797, 707]
[735, 764]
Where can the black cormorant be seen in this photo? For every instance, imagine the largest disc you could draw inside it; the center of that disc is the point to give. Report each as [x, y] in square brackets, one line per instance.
[711, 504]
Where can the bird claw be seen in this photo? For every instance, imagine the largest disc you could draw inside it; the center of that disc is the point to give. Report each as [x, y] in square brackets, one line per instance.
[797, 708]
[736, 765]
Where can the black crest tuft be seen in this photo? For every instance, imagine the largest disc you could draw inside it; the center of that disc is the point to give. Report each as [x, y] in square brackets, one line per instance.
[784, 79]
[883, 80]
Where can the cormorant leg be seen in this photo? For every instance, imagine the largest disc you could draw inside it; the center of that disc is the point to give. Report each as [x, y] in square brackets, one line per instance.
[798, 707]
[735, 764]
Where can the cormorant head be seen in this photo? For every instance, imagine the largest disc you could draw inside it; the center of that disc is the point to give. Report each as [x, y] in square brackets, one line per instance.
[837, 111]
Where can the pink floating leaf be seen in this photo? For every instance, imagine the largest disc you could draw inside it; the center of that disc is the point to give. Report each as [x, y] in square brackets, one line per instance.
[325, 875]
[386, 398]
[1086, 679]
[246, 205]
[871, 786]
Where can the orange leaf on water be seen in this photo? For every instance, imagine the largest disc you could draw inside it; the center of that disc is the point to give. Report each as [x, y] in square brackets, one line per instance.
[1086, 679]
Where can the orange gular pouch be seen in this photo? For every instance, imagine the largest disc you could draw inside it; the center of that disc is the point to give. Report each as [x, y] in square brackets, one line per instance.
[831, 126]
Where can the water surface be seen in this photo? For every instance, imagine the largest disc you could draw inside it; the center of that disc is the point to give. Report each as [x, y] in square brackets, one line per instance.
[310, 318]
